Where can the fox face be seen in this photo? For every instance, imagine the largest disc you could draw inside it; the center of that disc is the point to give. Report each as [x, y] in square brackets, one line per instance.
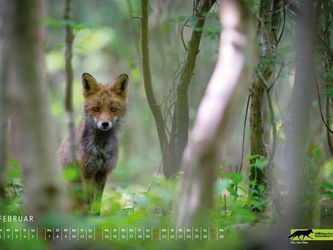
[104, 104]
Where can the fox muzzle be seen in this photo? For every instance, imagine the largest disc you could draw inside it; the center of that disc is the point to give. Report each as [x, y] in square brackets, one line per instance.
[104, 125]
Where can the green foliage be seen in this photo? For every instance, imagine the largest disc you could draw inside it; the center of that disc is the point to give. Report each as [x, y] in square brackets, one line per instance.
[213, 32]
[257, 161]
[149, 206]
[14, 187]
[71, 173]
[14, 170]
[328, 91]
[56, 23]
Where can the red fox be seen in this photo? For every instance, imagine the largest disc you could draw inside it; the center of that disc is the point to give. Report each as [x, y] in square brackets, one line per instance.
[104, 107]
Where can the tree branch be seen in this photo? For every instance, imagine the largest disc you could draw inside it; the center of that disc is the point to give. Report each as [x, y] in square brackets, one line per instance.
[182, 109]
[154, 107]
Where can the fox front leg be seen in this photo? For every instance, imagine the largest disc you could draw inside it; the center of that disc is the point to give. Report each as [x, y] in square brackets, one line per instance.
[99, 185]
[89, 191]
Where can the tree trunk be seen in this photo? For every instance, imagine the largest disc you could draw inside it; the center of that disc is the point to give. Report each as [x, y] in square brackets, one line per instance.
[181, 114]
[173, 147]
[5, 14]
[154, 107]
[296, 148]
[44, 190]
[297, 213]
[212, 124]
[268, 21]
[328, 69]
[69, 37]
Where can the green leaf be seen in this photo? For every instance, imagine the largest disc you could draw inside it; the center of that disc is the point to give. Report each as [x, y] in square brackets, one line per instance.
[252, 158]
[252, 183]
[14, 173]
[261, 188]
[236, 178]
[257, 161]
[14, 163]
[55, 22]
[18, 186]
[71, 173]
[81, 26]
[213, 31]
[316, 153]
[198, 29]
[181, 18]
[64, 22]
[59, 46]
[327, 185]
[166, 28]
[328, 92]
[244, 189]
[260, 164]
[232, 191]
[327, 195]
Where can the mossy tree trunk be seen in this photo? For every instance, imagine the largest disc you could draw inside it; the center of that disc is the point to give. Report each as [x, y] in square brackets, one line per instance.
[5, 14]
[328, 68]
[180, 124]
[269, 15]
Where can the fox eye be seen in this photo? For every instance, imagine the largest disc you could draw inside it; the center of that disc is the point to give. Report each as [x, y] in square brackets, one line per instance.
[96, 109]
[114, 109]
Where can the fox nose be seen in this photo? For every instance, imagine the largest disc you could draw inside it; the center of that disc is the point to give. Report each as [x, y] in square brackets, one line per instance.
[105, 124]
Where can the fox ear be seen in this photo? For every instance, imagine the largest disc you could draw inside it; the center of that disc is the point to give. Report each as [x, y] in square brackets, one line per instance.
[89, 84]
[119, 85]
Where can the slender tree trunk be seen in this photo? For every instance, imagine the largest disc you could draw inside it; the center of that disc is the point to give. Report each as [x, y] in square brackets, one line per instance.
[328, 69]
[173, 148]
[154, 107]
[328, 120]
[69, 111]
[268, 21]
[5, 14]
[213, 121]
[41, 177]
[181, 114]
[69, 37]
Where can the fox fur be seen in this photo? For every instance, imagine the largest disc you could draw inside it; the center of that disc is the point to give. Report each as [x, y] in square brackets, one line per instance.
[104, 107]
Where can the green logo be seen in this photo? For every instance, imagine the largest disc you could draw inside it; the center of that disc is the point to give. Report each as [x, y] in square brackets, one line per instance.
[311, 234]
